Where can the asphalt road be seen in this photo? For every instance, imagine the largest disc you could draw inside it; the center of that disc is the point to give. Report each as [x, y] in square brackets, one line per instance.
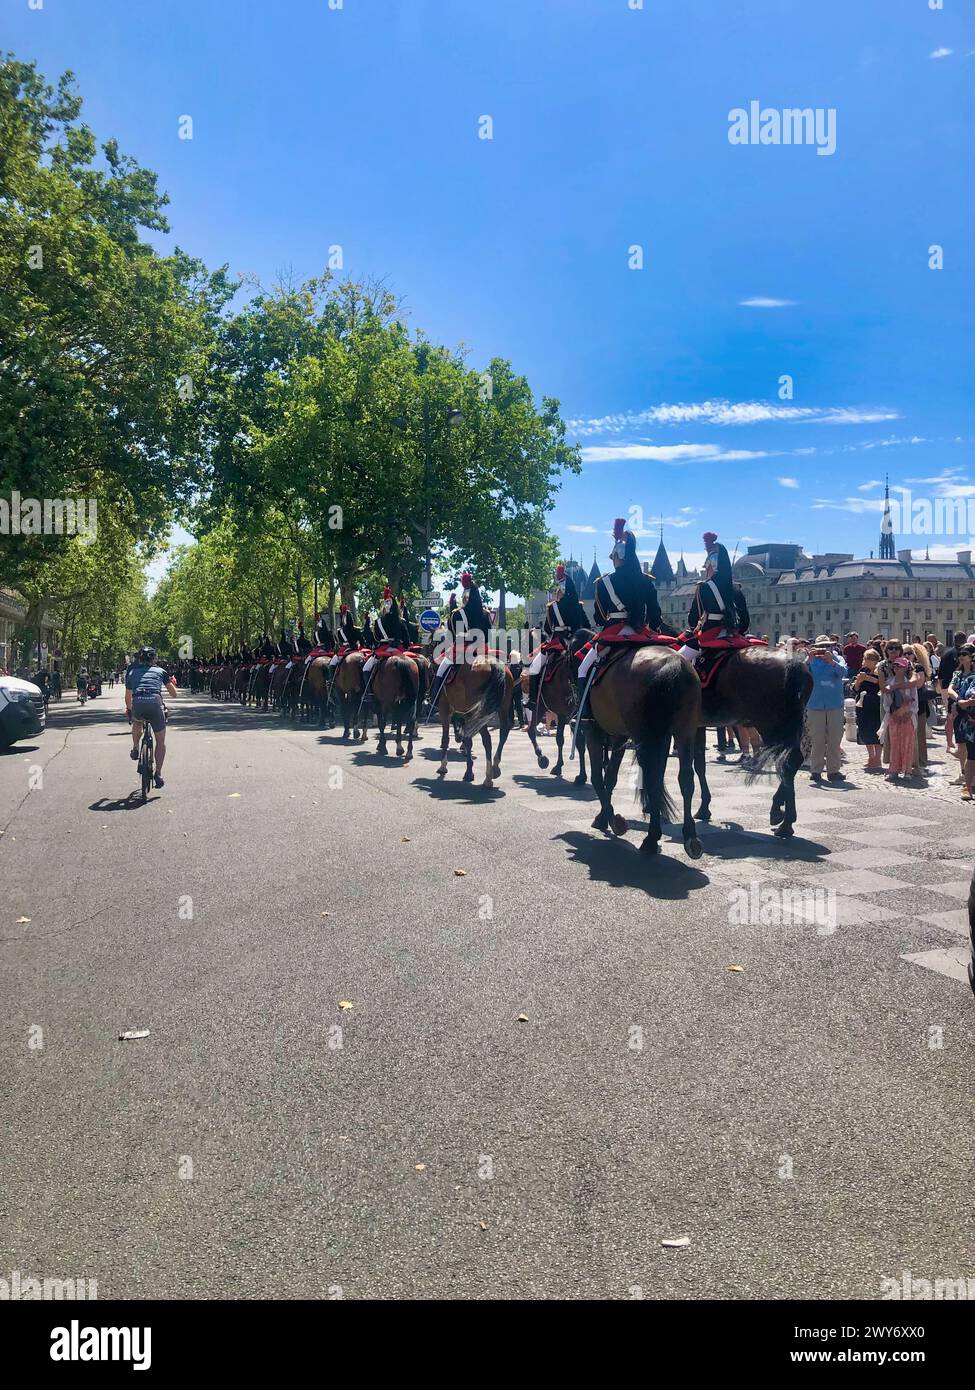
[806, 1121]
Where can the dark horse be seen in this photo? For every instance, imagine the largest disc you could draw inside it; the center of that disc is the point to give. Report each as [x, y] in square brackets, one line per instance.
[767, 689]
[558, 692]
[649, 695]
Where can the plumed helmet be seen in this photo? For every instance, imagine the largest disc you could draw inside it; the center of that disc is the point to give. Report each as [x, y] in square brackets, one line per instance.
[709, 538]
[560, 573]
[466, 579]
[624, 540]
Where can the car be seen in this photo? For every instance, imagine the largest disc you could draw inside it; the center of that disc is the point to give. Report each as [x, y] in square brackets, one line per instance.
[21, 710]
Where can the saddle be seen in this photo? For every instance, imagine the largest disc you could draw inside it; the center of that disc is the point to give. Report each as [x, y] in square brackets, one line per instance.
[715, 652]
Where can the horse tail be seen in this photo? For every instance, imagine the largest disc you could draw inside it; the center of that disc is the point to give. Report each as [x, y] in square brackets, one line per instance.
[489, 705]
[409, 680]
[651, 755]
[667, 695]
[787, 731]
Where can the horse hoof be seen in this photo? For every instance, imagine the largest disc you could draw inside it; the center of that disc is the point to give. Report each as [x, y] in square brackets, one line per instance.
[776, 815]
[784, 832]
[496, 770]
[542, 760]
[619, 825]
[488, 783]
[580, 781]
[649, 846]
[702, 814]
[556, 771]
[441, 772]
[693, 847]
[601, 822]
[468, 776]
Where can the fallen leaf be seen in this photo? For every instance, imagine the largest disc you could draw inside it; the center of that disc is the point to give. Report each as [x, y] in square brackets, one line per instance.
[484, 1225]
[405, 840]
[232, 795]
[735, 969]
[326, 914]
[345, 1003]
[461, 873]
[677, 1244]
[522, 1018]
[420, 1167]
[133, 1033]
[21, 920]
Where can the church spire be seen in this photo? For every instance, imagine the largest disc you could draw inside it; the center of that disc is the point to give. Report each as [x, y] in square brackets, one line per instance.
[661, 568]
[887, 527]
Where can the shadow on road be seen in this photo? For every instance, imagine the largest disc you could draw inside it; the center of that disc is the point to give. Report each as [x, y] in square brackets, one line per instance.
[727, 840]
[129, 803]
[544, 784]
[620, 863]
[443, 789]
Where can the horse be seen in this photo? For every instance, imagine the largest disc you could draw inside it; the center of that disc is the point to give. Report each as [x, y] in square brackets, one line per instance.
[260, 690]
[349, 685]
[481, 688]
[649, 695]
[769, 690]
[558, 692]
[395, 687]
[316, 690]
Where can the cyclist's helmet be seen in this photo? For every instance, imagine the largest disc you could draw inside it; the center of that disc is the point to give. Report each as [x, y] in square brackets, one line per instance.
[147, 654]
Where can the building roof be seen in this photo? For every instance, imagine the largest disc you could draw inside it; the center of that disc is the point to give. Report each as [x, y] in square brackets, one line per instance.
[661, 569]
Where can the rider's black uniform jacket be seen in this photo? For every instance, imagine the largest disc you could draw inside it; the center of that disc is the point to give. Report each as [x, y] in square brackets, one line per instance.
[637, 599]
[389, 627]
[302, 643]
[470, 616]
[563, 617]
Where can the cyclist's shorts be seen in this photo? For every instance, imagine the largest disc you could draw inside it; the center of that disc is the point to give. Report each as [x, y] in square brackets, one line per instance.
[150, 710]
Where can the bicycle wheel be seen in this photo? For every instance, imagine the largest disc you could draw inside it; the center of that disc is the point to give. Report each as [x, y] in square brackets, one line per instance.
[145, 766]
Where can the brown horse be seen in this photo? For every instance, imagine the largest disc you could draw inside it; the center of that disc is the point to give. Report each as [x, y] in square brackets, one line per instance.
[316, 688]
[649, 695]
[768, 689]
[558, 692]
[481, 688]
[349, 685]
[395, 687]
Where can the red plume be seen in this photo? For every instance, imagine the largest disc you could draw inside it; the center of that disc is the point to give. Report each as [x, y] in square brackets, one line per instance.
[387, 592]
[345, 608]
[619, 526]
[709, 537]
[560, 572]
[467, 579]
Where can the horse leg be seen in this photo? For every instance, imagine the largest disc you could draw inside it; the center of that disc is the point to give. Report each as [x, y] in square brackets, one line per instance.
[618, 824]
[685, 777]
[652, 756]
[786, 793]
[399, 730]
[581, 779]
[381, 728]
[597, 759]
[700, 767]
[468, 746]
[559, 745]
[503, 733]
[444, 737]
[540, 757]
[489, 770]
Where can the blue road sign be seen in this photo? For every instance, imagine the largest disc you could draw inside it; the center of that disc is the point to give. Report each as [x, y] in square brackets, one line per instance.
[429, 620]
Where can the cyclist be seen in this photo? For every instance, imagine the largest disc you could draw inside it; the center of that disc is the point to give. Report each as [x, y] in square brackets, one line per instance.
[144, 682]
[83, 683]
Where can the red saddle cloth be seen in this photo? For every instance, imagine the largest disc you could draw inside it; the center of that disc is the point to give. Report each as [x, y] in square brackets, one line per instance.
[715, 652]
[554, 644]
[317, 651]
[390, 649]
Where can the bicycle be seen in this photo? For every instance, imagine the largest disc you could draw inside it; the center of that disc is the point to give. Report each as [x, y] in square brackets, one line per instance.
[147, 757]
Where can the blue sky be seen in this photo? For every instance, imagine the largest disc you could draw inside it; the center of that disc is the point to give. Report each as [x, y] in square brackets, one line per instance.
[359, 126]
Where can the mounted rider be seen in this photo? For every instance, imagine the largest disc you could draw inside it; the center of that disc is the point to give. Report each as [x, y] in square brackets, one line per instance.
[301, 641]
[564, 615]
[627, 609]
[390, 633]
[718, 616]
[348, 636]
[323, 633]
[469, 624]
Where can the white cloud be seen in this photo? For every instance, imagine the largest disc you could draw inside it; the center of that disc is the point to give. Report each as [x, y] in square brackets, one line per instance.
[722, 412]
[666, 453]
[585, 530]
[787, 482]
[760, 303]
[941, 53]
[857, 505]
[869, 487]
